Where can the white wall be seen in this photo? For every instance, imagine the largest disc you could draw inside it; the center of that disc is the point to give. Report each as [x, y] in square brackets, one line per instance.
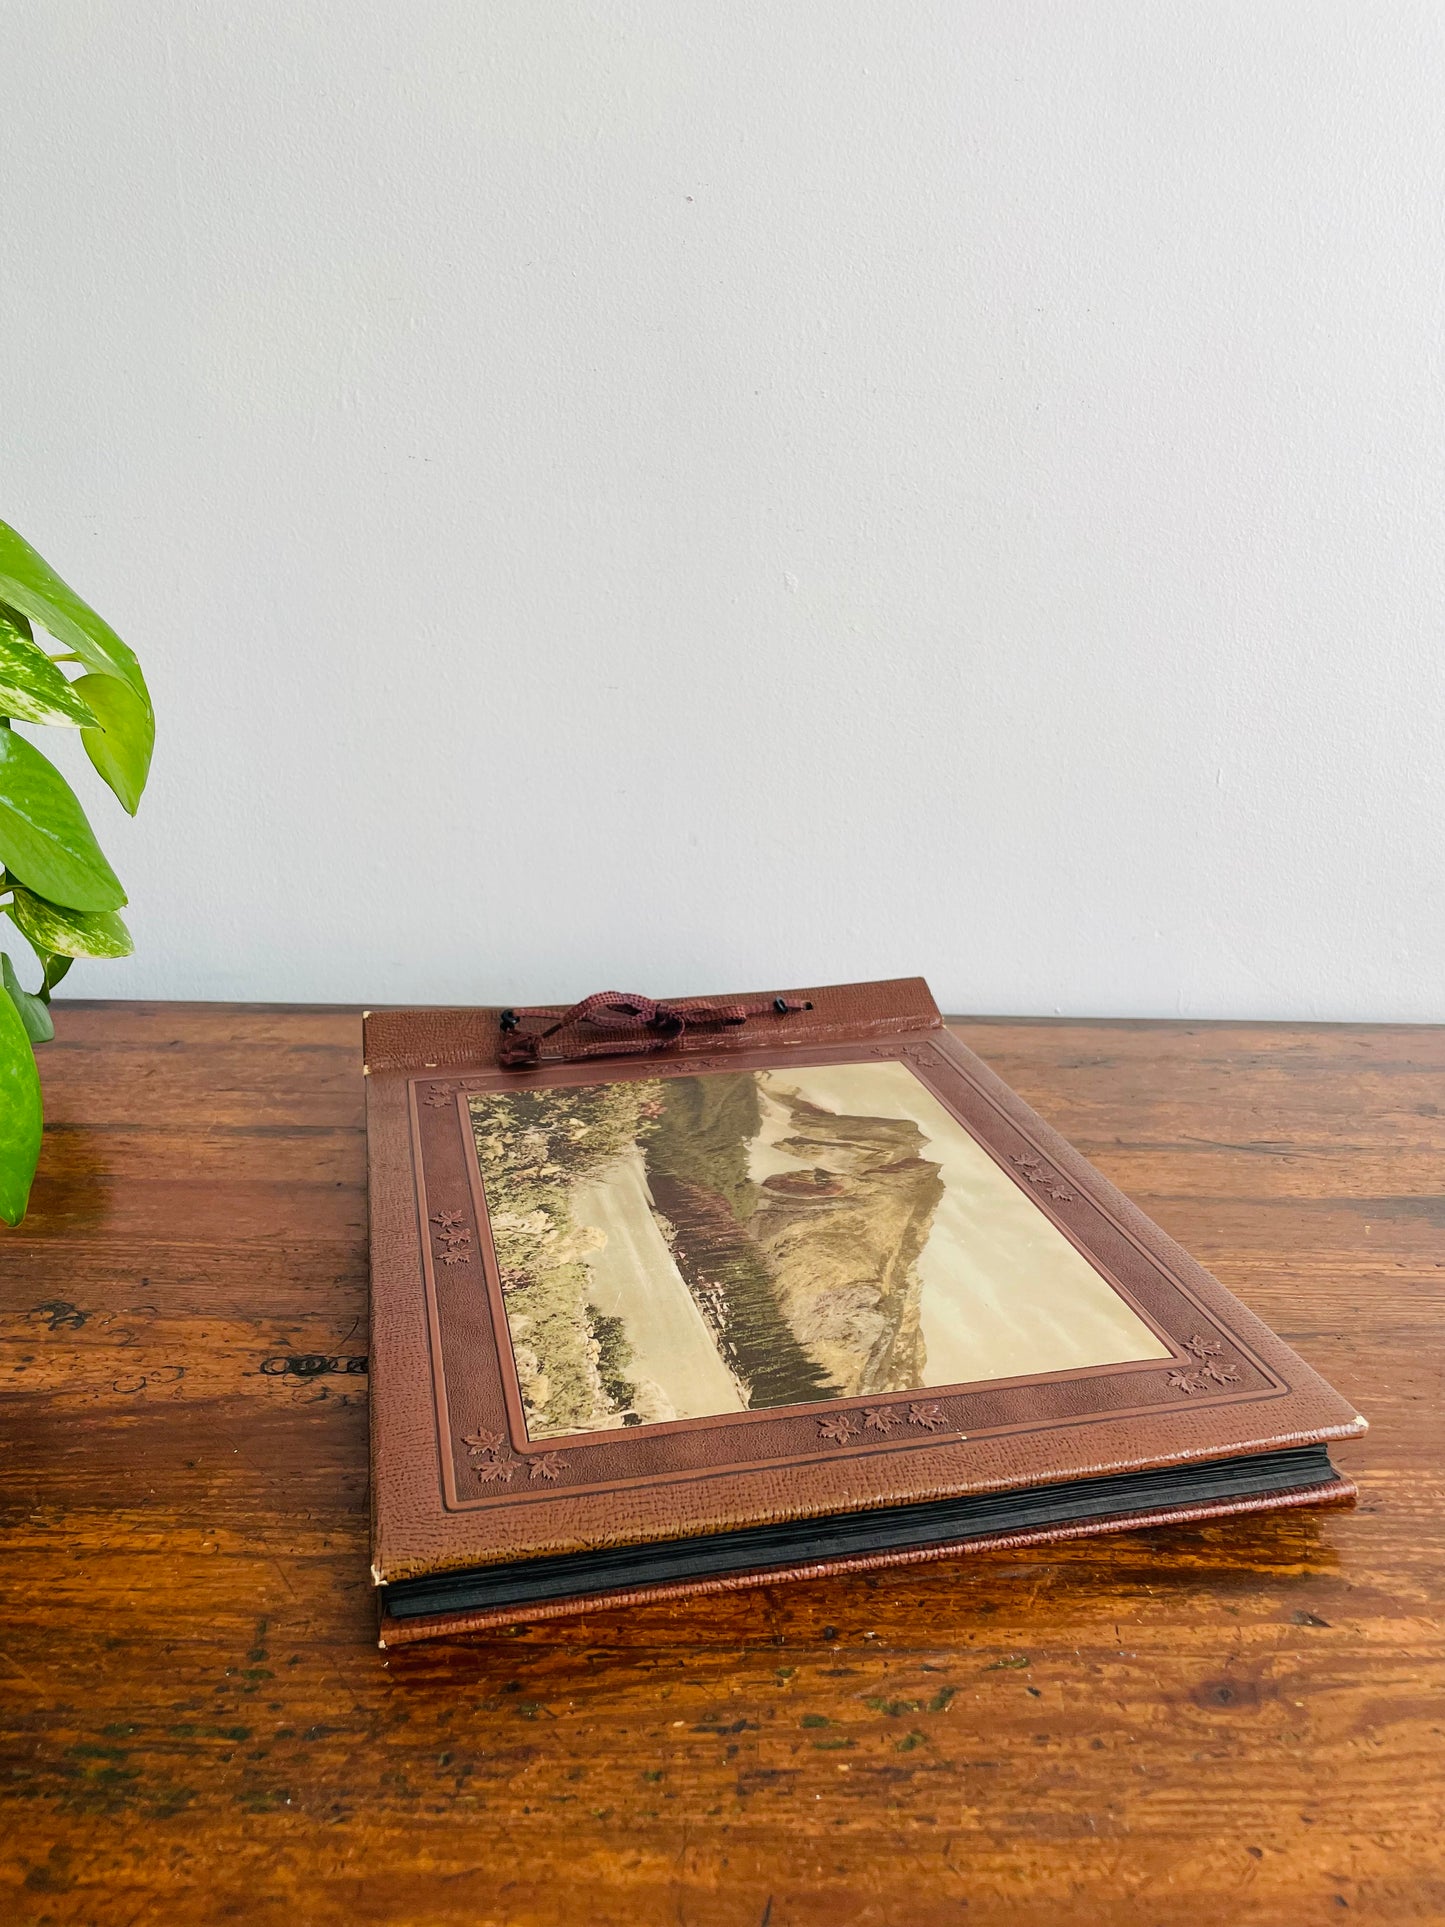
[695, 494]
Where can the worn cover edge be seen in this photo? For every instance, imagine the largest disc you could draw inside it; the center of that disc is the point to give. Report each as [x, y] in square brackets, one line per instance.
[405, 1632]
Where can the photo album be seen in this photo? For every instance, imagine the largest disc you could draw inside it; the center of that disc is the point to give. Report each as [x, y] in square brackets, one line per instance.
[674, 1297]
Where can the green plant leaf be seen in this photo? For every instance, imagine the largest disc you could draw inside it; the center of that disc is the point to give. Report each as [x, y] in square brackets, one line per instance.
[69, 933]
[17, 620]
[33, 1011]
[55, 969]
[34, 690]
[121, 743]
[20, 1114]
[28, 583]
[45, 839]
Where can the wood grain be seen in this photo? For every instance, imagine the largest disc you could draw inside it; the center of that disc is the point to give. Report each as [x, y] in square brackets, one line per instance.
[1242, 1723]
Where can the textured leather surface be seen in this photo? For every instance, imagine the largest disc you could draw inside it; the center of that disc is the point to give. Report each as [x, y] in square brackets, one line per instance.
[439, 1375]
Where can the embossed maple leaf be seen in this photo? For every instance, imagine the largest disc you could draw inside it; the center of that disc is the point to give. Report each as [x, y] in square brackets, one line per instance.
[456, 1257]
[1186, 1381]
[548, 1466]
[880, 1418]
[835, 1430]
[1203, 1347]
[1037, 1172]
[439, 1094]
[490, 1470]
[928, 1416]
[448, 1220]
[481, 1441]
[1221, 1374]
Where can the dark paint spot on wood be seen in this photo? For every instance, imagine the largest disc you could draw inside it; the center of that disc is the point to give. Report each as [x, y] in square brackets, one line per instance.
[313, 1365]
[1226, 1694]
[60, 1315]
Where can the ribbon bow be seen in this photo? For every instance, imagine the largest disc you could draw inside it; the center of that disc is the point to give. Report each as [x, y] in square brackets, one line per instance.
[629, 1023]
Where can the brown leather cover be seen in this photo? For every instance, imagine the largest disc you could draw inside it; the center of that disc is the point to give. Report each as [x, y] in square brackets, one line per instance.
[442, 1370]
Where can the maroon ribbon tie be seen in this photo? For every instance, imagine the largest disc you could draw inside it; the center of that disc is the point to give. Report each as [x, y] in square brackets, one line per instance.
[626, 1023]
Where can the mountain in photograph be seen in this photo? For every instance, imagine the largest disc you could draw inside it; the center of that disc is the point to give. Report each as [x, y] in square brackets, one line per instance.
[697, 1171]
[842, 1238]
[809, 1274]
[701, 1244]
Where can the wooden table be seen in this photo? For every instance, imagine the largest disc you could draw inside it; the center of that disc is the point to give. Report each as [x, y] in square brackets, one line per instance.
[1242, 1723]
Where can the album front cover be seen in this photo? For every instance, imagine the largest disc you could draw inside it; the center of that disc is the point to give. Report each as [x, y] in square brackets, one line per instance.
[676, 1296]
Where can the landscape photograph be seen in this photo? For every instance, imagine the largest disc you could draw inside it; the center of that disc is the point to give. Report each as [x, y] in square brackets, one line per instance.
[685, 1247]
